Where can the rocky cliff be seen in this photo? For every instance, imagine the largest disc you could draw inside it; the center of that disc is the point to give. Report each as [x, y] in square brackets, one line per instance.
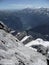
[13, 52]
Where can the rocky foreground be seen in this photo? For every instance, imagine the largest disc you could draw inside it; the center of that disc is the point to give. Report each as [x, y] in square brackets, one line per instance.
[13, 52]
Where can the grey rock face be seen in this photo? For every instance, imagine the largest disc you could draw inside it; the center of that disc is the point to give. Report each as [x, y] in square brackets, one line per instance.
[4, 27]
[28, 40]
[42, 49]
[13, 52]
[21, 35]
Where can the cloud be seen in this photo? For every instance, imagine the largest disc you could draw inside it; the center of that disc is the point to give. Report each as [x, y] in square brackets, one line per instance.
[20, 6]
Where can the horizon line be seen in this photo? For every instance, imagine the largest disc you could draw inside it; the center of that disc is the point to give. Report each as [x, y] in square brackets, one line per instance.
[25, 8]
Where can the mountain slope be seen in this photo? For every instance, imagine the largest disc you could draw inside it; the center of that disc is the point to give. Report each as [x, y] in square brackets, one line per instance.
[13, 52]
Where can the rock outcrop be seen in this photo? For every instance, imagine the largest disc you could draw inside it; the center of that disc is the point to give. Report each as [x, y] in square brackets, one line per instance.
[13, 52]
[4, 27]
[21, 35]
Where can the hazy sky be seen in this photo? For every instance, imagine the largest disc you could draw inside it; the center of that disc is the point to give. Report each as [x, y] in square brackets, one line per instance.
[19, 4]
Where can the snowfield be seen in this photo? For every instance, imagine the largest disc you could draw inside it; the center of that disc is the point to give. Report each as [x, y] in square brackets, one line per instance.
[38, 42]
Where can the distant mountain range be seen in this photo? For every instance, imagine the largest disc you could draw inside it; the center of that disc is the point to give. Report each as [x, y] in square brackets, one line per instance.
[34, 17]
[36, 20]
